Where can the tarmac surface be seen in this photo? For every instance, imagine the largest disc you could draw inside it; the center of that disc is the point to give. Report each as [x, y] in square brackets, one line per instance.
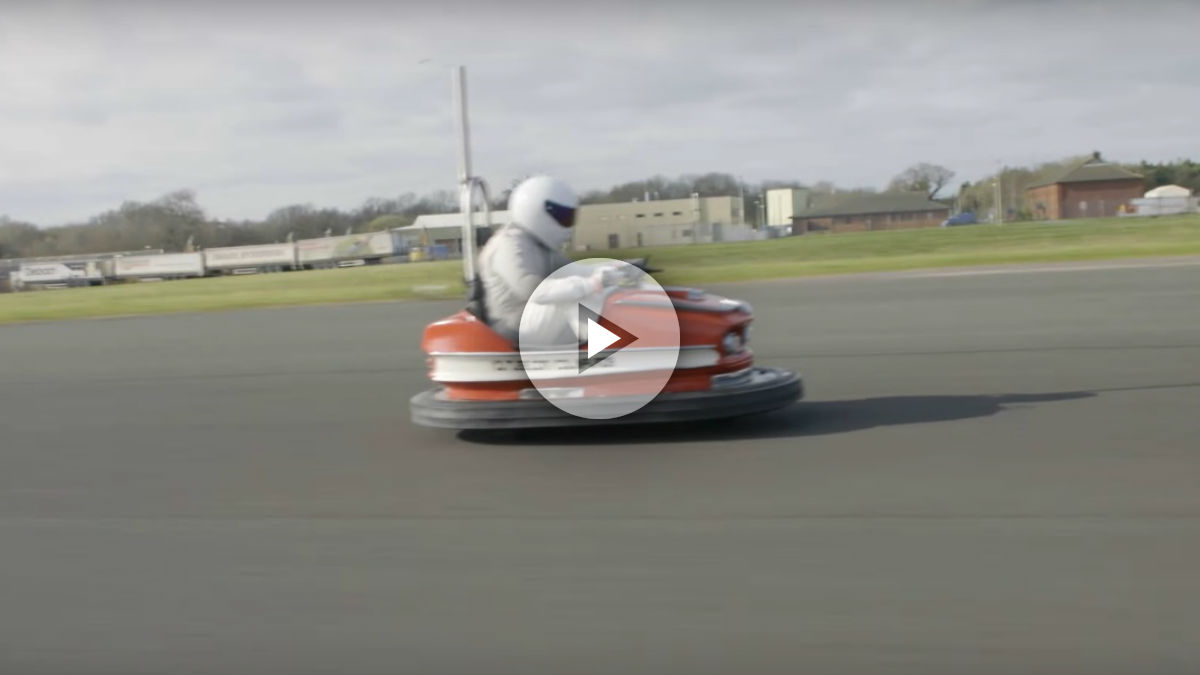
[992, 473]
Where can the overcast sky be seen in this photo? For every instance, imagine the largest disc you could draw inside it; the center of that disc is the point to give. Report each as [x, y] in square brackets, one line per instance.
[270, 104]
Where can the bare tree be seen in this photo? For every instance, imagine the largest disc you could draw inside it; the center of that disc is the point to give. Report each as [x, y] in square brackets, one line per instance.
[923, 177]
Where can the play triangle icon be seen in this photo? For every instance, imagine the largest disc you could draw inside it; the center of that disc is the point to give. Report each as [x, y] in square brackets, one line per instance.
[599, 338]
[604, 338]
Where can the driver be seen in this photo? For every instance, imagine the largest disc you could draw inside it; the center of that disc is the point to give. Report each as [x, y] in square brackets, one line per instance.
[515, 261]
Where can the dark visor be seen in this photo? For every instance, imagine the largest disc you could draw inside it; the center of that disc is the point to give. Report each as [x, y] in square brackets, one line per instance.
[563, 215]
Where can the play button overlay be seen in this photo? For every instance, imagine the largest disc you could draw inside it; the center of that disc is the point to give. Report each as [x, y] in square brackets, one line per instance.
[599, 339]
[604, 338]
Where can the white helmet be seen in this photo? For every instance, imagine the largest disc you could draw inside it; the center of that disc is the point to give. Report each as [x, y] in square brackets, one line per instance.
[545, 207]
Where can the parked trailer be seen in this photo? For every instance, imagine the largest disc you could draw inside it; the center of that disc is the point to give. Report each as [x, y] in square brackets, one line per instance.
[250, 259]
[163, 266]
[59, 274]
[336, 251]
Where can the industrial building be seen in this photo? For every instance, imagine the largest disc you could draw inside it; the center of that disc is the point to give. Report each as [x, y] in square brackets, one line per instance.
[886, 211]
[664, 222]
[1094, 188]
[598, 227]
[785, 203]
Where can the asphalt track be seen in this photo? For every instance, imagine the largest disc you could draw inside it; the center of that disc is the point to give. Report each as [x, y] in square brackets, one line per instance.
[993, 474]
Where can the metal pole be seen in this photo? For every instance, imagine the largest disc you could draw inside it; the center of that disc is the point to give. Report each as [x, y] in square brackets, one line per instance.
[464, 136]
[465, 186]
[995, 199]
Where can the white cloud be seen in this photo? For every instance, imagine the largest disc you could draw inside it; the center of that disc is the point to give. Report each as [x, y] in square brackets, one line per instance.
[270, 104]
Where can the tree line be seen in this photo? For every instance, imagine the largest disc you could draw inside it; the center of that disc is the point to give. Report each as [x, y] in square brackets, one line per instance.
[177, 222]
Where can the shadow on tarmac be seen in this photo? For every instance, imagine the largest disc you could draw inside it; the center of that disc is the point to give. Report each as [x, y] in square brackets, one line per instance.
[817, 418]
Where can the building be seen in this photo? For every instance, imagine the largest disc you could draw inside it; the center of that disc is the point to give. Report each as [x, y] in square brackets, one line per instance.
[887, 211]
[784, 203]
[607, 226]
[1167, 191]
[444, 229]
[1164, 200]
[1094, 188]
[665, 222]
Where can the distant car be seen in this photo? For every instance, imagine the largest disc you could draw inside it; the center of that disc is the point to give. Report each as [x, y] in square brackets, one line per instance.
[964, 218]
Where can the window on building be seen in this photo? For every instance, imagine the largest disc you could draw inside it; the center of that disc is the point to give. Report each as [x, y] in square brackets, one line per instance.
[685, 233]
[677, 213]
[641, 215]
[658, 215]
[639, 239]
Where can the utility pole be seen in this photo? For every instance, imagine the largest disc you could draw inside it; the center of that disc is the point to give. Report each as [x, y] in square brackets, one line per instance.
[742, 199]
[459, 96]
[999, 195]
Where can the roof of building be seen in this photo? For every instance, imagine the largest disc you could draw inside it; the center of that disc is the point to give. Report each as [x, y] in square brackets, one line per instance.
[1169, 191]
[648, 204]
[443, 220]
[1094, 168]
[888, 202]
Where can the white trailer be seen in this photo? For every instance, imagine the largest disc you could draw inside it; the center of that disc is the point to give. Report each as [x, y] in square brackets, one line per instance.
[59, 274]
[250, 259]
[339, 251]
[164, 266]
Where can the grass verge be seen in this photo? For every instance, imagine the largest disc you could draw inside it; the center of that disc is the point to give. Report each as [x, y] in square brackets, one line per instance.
[743, 261]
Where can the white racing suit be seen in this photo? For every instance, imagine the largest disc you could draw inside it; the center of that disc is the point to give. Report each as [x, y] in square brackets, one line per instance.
[512, 266]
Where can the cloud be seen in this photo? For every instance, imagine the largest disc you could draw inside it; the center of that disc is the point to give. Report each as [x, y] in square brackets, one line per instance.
[260, 105]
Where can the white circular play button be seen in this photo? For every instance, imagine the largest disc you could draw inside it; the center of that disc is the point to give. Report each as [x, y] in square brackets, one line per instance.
[599, 338]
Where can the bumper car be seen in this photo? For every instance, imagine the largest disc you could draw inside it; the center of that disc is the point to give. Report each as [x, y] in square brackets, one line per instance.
[480, 380]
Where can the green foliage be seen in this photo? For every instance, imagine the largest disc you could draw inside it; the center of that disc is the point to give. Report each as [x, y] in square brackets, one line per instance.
[923, 177]
[16, 237]
[1181, 172]
[389, 222]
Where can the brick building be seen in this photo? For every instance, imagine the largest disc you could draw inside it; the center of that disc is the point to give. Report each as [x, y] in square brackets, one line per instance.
[888, 211]
[1092, 189]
